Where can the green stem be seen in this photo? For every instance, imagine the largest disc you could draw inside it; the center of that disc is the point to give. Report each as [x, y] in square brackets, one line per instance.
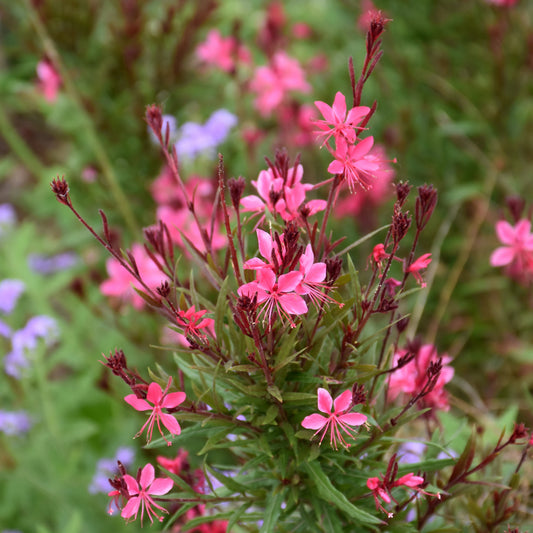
[94, 141]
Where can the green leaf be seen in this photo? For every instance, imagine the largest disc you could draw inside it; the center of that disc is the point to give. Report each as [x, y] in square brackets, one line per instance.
[275, 392]
[330, 494]
[273, 510]
[215, 439]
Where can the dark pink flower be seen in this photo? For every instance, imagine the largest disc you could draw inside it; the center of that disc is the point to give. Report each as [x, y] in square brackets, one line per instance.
[352, 163]
[414, 268]
[365, 201]
[381, 488]
[411, 378]
[337, 417]
[337, 122]
[281, 197]
[193, 321]
[141, 493]
[49, 80]
[222, 52]
[122, 284]
[272, 82]
[313, 283]
[518, 241]
[277, 294]
[160, 400]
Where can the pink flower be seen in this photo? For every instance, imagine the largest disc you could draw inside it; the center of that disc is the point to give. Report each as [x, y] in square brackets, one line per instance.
[518, 241]
[338, 418]
[141, 493]
[277, 294]
[221, 51]
[312, 282]
[351, 161]
[337, 122]
[409, 480]
[381, 488]
[175, 465]
[267, 248]
[414, 268]
[411, 378]
[193, 321]
[502, 3]
[280, 196]
[121, 283]
[181, 224]
[365, 201]
[272, 82]
[49, 80]
[160, 400]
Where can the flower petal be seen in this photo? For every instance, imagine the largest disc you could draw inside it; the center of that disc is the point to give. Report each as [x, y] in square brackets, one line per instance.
[173, 399]
[342, 402]
[171, 423]
[353, 419]
[502, 256]
[131, 508]
[160, 486]
[315, 421]
[147, 476]
[325, 401]
[137, 403]
[154, 393]
[288, 282]
[505, 232]
[293, 304]
[264, 240]
[131, 483]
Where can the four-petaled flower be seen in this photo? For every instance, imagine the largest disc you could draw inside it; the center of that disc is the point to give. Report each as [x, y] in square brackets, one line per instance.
[313, 278]
[193, 321]
[277, 294]
[351, 161]
[517, 251]
[337, 122]
[160, 400]
[141, 493]
[338, 418]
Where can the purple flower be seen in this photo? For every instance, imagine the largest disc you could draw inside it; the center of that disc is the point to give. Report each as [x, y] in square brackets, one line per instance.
[196, 139]
[8, 218]
[5, 330]
[53, 263]
[106, 468]
[219, 124]
[14, 422]
[26, 340]
[44, 327]
[411, 452]
[14, 363]
[10, 291]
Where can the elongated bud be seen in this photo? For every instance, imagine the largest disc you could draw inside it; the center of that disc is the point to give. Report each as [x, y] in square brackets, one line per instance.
[425, 204]
[401, 223]
[61, 189]
[236, 188]
[402, 192]
[154, 118]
